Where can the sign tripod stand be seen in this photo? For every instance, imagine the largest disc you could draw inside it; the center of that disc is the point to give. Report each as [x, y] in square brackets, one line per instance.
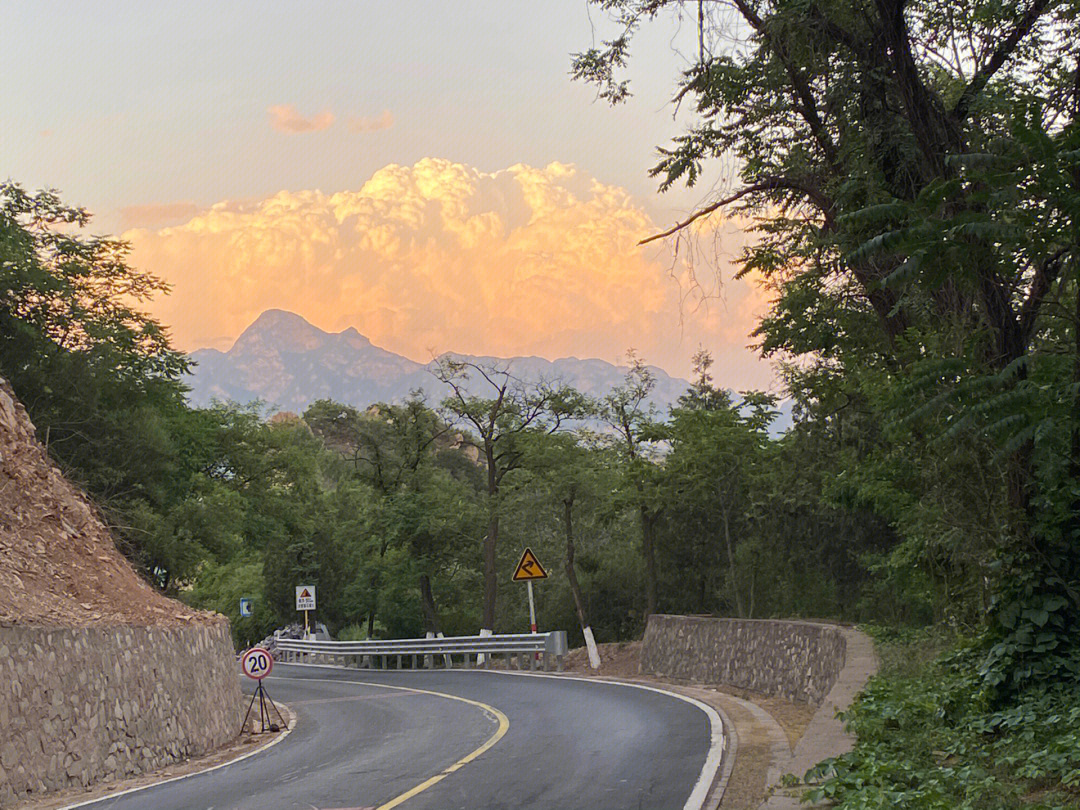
[257, 664]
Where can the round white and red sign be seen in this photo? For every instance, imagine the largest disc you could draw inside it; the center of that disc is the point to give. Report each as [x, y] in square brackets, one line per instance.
[257, 663]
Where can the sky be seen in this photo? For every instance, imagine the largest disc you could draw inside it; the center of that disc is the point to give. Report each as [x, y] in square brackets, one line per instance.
[425, 172]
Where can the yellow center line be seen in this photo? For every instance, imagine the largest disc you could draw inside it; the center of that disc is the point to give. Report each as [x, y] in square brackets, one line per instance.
[490, 711]
[314, 701]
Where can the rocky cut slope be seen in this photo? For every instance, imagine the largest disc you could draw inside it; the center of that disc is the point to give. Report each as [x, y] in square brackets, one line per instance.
[101, 677]
[58, 563]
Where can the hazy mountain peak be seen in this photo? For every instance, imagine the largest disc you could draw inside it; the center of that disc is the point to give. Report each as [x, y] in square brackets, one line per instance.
[289, 363]
[279, 329]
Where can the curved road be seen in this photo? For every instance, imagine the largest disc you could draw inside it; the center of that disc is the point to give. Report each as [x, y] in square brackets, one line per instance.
[376, 739]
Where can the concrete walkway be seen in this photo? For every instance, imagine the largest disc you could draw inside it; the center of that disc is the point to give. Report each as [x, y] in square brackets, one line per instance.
[825, 736]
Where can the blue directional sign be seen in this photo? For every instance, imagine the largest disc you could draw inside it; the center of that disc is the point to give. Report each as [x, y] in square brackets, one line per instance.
[247, 606]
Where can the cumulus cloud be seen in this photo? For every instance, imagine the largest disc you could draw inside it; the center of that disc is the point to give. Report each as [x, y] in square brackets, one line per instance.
[440, 256]
[143, 216]
[286, 118]
[384, 120]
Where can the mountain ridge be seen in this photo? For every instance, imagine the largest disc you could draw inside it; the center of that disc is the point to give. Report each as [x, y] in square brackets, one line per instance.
[288, 363]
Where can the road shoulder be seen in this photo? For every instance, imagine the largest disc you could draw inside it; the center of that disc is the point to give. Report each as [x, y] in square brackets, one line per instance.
[244, 746]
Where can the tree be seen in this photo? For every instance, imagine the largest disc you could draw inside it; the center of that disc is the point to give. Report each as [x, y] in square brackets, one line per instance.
[565, 470]
[422, 508]
[512, 410]
[913, 166]
[99, 377]
[716, 465]
[629, 413]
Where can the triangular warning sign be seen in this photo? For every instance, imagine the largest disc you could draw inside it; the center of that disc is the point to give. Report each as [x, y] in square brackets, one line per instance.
[305, 594]
[529, 567]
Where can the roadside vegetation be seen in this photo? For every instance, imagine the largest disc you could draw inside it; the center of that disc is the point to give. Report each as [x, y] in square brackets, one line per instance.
[912, 169]
[930, 735]
[912, 172]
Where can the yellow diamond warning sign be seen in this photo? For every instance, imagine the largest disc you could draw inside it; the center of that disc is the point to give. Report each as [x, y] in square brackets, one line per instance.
[529, 568]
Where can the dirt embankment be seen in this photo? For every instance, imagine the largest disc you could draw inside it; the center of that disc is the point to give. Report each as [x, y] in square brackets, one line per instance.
[58, 562]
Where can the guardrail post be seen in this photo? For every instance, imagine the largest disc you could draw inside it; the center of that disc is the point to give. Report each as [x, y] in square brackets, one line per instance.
[532, 662]
[468, 663]
[547, 661]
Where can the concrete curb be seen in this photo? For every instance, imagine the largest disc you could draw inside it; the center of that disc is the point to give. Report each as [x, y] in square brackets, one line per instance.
[727, 764]
[825, 737]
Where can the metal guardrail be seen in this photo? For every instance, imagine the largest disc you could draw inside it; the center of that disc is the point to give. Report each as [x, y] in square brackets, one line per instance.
[526, 647]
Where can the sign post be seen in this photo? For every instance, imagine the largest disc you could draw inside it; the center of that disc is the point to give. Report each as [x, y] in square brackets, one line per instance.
[257, 663]
[528, 569]
[532, 607]
[305, 601]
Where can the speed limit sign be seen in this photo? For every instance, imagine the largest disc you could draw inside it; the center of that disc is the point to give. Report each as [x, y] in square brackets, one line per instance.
[257, 663]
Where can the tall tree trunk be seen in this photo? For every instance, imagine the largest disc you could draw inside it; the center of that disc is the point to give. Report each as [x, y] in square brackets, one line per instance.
[427, 604]
[753, 580]
[731, 564]
[431, 617]
[490, 580]
[575, 589]
[648, 544]
[375, 592]
[491, 542]
[1074, 456]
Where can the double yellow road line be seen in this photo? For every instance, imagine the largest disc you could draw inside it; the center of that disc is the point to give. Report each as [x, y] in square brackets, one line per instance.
[496, 715]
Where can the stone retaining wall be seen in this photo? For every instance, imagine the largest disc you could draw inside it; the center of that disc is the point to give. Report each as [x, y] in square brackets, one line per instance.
[97, 704]
[799, 661]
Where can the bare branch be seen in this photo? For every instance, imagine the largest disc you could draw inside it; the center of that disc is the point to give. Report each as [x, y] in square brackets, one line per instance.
[1001, 53]
[1045, 275]
[768, 184]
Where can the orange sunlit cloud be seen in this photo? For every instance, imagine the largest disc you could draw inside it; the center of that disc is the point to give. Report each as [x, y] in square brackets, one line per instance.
[286, 118]
[439, 256]
[384, 120]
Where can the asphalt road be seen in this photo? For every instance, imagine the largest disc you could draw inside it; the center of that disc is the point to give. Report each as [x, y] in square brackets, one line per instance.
[541, 743]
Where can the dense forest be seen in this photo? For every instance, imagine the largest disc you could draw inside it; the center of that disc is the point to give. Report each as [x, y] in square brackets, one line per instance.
[912, 172]
[409, 517]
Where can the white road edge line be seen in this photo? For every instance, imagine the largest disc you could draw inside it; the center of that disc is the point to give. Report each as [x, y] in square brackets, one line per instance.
[697, 797]
[713, 760]
[281, 736]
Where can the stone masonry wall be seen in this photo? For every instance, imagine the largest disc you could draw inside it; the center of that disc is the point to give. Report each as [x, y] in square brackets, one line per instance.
[97, 704]
[799, 661]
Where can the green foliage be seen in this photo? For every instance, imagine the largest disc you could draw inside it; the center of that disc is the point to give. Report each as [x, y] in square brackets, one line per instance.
[929, 737]
[220, 586]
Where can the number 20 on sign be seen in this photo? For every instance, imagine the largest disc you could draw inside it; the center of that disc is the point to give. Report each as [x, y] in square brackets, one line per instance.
[257, 663]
